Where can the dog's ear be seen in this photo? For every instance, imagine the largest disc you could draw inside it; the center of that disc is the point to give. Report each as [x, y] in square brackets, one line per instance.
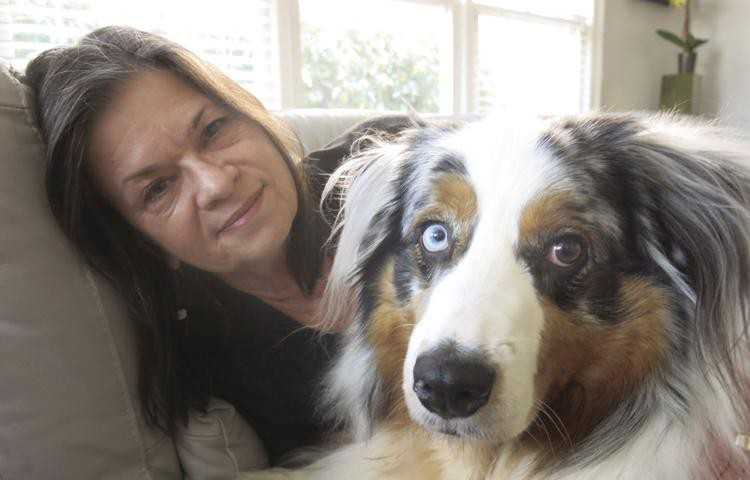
[368, 189]
[365, 193]
[694, 224]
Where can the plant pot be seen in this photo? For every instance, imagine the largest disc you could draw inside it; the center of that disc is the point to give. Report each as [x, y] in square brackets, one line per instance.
[686, 62]
[680, 93]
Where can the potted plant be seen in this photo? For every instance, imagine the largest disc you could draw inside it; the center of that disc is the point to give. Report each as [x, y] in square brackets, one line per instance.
[687, 42]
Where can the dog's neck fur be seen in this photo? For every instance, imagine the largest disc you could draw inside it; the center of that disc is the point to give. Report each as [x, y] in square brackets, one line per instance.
[664, 447]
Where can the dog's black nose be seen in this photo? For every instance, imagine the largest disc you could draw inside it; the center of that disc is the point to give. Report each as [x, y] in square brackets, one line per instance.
[452, 384]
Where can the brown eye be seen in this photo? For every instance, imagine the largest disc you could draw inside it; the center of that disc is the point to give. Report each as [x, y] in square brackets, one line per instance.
[156, 190]
[566, 252]
[213, 129]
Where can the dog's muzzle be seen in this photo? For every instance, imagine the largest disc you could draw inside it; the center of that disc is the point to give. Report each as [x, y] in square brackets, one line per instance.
[451, 383]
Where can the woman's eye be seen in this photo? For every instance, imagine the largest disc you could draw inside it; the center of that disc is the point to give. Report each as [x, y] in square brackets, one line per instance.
[156, 189]
[435, 238]
[566, 252]
[213, 129]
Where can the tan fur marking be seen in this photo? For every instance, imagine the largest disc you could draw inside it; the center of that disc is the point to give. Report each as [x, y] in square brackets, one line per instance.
[454, 202]
[585, 368]
[546, 214]
[452, 192]
[390, 328]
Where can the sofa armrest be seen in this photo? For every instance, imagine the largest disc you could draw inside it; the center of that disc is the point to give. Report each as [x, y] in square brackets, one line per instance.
[315, 127]
[68, 396]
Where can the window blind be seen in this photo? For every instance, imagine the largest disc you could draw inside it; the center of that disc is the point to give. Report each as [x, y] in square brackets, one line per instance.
[238, 36]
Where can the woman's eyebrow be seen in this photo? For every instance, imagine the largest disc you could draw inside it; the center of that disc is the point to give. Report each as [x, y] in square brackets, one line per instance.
[196, 121]
[149, 170]
[144, 172]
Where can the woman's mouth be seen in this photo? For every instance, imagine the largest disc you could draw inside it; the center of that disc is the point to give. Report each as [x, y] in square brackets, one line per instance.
[244, 214]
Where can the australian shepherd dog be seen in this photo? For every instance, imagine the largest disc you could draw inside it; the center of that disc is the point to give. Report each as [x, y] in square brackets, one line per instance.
[560, 301]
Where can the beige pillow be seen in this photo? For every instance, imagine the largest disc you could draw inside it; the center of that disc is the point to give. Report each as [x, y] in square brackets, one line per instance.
[68, 402]
[219, 444]
[315, 127]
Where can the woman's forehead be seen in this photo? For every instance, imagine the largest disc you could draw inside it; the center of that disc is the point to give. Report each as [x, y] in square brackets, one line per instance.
[153, 114]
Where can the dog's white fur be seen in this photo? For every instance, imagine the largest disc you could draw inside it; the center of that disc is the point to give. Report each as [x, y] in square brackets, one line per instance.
[492, 294]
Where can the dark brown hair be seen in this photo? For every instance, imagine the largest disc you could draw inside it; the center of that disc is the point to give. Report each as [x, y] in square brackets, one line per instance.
[73, 86]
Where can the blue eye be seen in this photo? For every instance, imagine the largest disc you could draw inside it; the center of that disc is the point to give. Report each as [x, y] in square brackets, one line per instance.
[435, 238]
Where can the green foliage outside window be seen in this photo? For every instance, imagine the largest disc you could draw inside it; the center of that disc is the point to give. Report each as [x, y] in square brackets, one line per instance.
[368, 70]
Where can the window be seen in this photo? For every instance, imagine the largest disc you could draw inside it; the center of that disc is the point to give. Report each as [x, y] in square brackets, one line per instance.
[533, 60]
[447, 56]
[240, 43]
[366, 54]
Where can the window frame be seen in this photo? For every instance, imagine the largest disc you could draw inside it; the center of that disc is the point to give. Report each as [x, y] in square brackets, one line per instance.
[458, 82]
[457, 88]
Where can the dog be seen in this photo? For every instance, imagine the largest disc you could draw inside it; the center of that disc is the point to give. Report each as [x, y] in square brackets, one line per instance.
[561, 300]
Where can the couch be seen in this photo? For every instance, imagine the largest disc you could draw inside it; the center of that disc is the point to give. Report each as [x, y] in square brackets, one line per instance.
[68, 396]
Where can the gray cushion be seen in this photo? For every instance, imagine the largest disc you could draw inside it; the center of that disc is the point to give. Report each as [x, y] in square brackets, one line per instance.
[68, 402]
[315, 127]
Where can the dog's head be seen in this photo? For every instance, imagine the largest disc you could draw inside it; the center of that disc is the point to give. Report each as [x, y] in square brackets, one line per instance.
[509, 276]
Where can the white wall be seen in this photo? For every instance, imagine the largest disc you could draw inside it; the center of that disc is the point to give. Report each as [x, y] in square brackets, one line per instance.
[724, 62]
[634, 58]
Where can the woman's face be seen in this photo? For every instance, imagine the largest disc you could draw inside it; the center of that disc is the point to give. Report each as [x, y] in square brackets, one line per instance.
[204, 183]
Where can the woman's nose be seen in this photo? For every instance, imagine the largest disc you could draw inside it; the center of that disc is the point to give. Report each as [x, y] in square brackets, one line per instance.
[214, 180]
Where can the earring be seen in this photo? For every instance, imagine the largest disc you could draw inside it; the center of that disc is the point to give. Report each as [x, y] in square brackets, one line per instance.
[177, 282]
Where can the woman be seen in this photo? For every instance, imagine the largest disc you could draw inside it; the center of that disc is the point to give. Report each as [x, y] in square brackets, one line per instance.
[180, 188]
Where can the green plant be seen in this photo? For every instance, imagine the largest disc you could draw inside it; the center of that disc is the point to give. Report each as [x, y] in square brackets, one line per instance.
[369, 70]
[687, 42]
